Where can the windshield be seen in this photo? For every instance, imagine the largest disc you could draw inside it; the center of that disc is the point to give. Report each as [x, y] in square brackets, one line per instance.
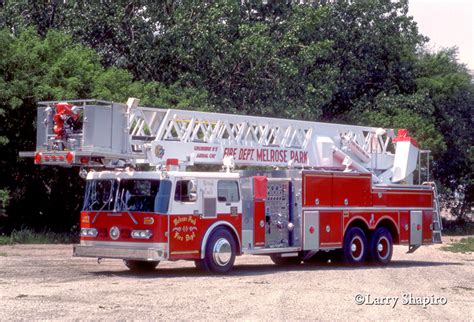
[144, 195]
[100, 195]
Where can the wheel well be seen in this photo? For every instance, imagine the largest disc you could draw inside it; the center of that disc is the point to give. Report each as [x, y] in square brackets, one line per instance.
[390, 226]
[221, 226]
[358, 223]
[236, 238]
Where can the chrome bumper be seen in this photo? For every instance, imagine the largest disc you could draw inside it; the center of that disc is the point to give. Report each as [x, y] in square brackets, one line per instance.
[148, 254]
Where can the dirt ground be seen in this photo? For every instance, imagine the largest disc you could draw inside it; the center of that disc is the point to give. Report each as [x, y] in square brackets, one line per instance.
[45, 282]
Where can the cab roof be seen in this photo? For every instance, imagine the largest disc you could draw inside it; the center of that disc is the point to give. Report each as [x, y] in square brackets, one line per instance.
[159, 175]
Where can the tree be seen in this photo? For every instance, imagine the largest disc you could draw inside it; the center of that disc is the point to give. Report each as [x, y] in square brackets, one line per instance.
[33, 69]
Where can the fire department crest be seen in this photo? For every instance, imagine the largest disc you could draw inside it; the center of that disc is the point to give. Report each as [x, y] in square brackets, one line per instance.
[159, 151]
[185, 228]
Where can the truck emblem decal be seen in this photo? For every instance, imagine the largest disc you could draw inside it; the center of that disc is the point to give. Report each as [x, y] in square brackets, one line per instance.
[159, 151]
[185, 228]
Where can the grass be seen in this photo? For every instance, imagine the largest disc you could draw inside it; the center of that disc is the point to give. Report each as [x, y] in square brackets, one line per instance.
[465, 245]
[29, 236]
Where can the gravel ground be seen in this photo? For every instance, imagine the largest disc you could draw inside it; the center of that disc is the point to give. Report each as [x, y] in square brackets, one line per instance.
[45, 282]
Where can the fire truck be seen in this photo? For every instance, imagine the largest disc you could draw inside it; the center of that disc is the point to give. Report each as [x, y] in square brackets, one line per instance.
[292, 190]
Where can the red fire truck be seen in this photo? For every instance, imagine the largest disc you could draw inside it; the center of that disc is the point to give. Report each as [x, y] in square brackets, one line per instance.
[311, 189]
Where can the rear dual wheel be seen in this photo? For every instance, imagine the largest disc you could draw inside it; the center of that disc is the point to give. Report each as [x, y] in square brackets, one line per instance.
[357, 250]
[355, 247]
[381, 246]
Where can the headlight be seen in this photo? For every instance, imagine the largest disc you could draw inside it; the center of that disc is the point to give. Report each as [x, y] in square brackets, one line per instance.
[141, 234]
[89, 232]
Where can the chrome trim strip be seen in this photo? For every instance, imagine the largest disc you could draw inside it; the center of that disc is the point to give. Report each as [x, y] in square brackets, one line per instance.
[373, 209]
[272, 250]
[123, 244]
[401, 187]
[211, 228]
[147, 254]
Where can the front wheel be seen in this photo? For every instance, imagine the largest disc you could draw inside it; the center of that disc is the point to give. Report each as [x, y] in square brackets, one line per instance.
[355, 246]
[220, 252]
[140, 266]
[381, 246]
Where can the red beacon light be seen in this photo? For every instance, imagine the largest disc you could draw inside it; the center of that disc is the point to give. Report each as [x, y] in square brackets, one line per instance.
[38, 157]
[70, 157]
[172, 164]
[84, 160]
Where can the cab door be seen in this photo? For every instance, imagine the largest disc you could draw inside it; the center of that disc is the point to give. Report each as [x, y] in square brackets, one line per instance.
[228, 197]
[185, 220]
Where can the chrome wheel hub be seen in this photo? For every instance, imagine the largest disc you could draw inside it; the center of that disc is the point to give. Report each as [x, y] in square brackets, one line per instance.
[357, 248]
[380, 247]
[383, 247]
[222, 252]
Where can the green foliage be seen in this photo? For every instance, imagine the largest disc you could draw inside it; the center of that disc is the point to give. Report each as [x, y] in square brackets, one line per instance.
[412, 112]
[449, 87]
[4, 198]
[54, 67]
[29, 236]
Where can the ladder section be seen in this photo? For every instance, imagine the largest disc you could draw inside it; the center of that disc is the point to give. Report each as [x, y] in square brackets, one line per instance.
[437, 222]
[195, 137]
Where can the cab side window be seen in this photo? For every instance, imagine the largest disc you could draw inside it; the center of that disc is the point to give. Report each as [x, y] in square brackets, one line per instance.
[228, 191]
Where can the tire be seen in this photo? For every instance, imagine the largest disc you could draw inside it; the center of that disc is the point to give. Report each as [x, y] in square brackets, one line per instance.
[381, 246]
[355, 246]
[140, 266]
[220, 252]
[201, 264]
[285, 261]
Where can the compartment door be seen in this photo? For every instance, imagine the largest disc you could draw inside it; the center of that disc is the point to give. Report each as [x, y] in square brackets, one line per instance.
[416, 227]
[311, 230]
[260, 194]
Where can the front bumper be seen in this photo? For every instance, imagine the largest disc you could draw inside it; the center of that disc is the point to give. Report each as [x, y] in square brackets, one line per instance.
[121, 252]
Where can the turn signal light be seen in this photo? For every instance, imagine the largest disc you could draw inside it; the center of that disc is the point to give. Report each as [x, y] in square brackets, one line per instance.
[148, 221]
[84, 160]
[38, 157]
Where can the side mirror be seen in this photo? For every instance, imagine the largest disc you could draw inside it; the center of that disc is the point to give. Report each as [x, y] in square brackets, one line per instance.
[192, 190]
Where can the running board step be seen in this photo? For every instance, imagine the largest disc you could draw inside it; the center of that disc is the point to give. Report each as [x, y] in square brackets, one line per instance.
[412, 249]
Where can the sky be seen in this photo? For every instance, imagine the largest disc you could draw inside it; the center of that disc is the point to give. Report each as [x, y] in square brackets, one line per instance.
[447, 23]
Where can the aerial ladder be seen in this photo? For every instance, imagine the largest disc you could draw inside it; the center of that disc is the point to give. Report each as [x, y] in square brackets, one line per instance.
[101, 134]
